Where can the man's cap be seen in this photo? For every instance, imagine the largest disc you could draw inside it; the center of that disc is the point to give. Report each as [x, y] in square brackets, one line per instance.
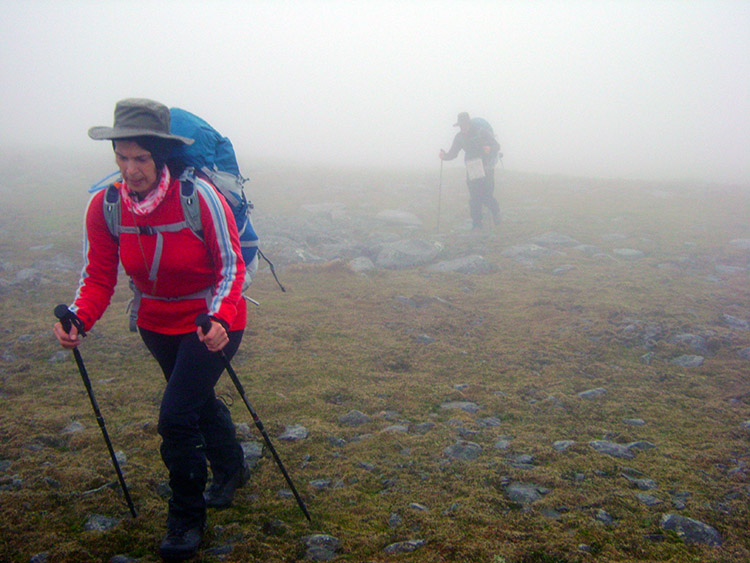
[138, 117]
[463, 117]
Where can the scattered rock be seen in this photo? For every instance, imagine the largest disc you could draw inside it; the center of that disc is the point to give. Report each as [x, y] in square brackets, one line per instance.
[354, 418]
[404, 547]
[604, 517]
[293, 433]
[744, 353]
[593, 393]
[735, 322]
[463, 405]
[688, 361]
[99, 523]
[320, 547]
[691, 531]
[562, 445]
[394, 521]
[73, 428]
[693, 341]
[472, 264]
[361, 264]
[634, 421]
[396, 428]
[610, 448]
[524, 252]
[649, 500]
[463, 450]
[59, 356]
[525, 493]
[407, 253]
[641, 484]
[28, 276]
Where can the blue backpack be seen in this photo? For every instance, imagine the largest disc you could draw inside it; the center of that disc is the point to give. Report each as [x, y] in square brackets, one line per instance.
[211, 155]
[482, 124]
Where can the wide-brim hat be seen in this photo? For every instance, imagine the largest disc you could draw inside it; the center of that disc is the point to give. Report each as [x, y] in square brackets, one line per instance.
[463, 117]
[138, 117]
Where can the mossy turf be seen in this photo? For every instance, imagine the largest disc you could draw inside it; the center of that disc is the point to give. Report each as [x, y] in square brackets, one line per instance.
[520, 342]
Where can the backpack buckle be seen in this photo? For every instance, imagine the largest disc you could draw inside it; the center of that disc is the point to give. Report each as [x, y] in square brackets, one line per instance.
[146, 230]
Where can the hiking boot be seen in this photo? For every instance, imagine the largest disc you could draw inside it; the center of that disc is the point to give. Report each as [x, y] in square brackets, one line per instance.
[180, 543]
[221, 492]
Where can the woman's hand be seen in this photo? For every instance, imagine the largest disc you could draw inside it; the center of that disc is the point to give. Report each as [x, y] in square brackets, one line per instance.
[67, 340]
[215, 339]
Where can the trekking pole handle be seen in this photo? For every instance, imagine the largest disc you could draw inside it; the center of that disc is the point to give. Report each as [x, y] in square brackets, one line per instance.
[68, 318]
[204, 322]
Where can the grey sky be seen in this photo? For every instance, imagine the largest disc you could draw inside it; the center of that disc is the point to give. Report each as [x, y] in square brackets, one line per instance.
[654, 90]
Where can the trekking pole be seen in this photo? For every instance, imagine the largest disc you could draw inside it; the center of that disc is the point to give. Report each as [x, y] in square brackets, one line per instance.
[440, 193]
[68, 318]
[273, 269]
[204, 322]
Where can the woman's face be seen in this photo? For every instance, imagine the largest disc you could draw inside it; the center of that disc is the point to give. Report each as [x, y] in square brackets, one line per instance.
[136, 166]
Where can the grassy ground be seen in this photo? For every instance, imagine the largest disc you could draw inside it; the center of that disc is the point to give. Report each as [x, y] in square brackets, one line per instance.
[521, 343]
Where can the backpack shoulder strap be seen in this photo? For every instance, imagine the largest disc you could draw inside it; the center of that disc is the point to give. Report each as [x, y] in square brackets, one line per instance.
[190, 205]
[111, 203]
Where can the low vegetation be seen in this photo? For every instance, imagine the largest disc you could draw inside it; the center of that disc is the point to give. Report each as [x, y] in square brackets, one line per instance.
[400, 346]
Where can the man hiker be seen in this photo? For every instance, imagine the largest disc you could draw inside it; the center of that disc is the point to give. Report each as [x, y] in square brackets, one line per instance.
[481, 151]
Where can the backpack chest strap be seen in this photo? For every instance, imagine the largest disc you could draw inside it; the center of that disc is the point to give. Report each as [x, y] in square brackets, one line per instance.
[155, 230]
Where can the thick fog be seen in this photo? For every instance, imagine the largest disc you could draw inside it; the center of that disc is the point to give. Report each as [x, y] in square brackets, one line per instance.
[628, 89]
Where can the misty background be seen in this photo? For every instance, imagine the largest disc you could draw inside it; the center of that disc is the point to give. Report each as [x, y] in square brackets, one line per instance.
[625, 89]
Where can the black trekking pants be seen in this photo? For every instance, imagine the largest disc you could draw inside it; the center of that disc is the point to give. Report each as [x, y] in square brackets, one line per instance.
[193, 423]
[481, 192]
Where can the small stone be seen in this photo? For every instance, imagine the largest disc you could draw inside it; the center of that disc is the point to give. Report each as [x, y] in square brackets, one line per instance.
[321, 547]
[604, 517]
[97, 522]
[354, 418]
[404, 547]
[463, 405]
[634, 421]
[690, 530]
[562, 445]
[293, 433]
[502, 444]
[593, 393]
[649, 500]
[688, 361]
[73, 428]
[463, 450]
[59, 356]
[610, 448]
[735, 322]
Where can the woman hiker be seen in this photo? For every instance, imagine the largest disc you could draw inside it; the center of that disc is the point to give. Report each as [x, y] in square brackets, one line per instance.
[178, 277]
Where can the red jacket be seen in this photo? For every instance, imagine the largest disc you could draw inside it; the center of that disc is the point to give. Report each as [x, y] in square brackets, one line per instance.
[187, 265]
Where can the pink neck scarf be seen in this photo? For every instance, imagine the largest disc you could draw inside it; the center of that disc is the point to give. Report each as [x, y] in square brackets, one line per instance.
[151, 201]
